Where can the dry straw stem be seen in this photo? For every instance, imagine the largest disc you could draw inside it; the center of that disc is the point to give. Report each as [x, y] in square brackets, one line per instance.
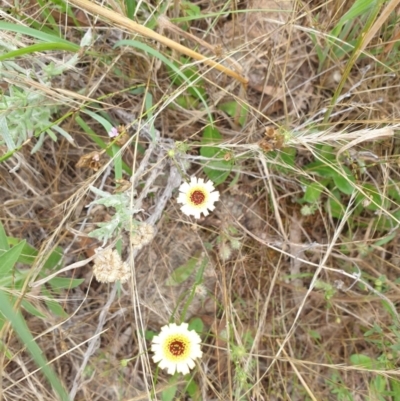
[132, 26]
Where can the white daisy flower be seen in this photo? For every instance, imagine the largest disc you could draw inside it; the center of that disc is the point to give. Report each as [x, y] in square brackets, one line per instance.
[197, 197]
[176, 347]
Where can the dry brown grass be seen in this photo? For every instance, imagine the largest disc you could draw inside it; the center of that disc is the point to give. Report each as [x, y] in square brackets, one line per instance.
[270, 331]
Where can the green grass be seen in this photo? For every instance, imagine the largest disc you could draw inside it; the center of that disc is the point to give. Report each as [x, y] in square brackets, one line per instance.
[301, 142]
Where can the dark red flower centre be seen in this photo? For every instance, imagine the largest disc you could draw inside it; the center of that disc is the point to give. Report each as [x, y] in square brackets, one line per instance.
[197, 197]
[177, 348]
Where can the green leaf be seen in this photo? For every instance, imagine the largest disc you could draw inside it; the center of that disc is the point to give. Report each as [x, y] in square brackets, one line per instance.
[31, 309]
[216, 170]
[364, 361]
[21, 330]
[189, 75]
[345, 183]
[288, 156]
[19, 28]
[169, 393]
[9, 258]
[334, 206]
[182, 273]
[320, 168]
[234, 109]
[373, 199]
[192, 389]
[395, 387]
[29, 254]
[40, 47]
[313, 192]
[3, 240]
[59, 283]
[211, 138]
[196, 324]
[54, 306]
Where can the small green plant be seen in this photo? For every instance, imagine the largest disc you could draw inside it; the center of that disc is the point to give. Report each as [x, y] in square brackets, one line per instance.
[26, 112]
[120, 221]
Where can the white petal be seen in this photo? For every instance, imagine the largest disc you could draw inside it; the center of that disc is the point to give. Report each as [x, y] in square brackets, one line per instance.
[171, 369]
[184, 187]
[182, 368]
[191, 363]
[182, 198]
[209, 185]
[214, 196]
[184, 327]
[187, 210]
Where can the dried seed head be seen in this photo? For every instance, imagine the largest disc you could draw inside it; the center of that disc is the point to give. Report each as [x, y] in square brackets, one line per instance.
[201, 291]
[142, 236]
[225, 251]
[108, 267]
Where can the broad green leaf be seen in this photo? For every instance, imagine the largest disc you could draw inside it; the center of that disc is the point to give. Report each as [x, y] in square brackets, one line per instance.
[326, 152]
[320, 168]
[192, 389]
[9, 258]
[182, 273]
[216, 170]
[6, 135]
[345, 184]
[169, 393]
[187, 102]
[333, 205]
[196, 324]
[313, 192]
[234, 109]
[211, 138]
[288, 156]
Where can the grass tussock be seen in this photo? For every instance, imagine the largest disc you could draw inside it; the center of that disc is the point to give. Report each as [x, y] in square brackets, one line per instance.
[290, 108]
